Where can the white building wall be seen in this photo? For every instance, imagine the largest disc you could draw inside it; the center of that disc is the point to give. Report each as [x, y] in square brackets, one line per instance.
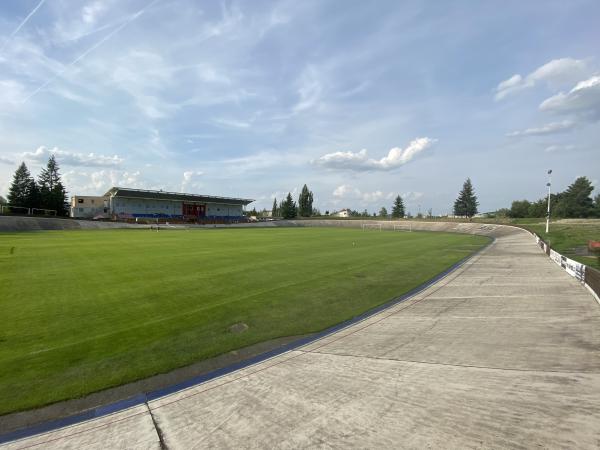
[87, 206]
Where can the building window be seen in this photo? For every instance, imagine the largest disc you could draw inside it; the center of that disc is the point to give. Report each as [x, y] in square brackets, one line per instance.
[79, 200]
[92, 201]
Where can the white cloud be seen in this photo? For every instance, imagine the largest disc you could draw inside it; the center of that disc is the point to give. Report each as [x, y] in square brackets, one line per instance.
[347, 192]
[411, 196]
[556, 73]
[359, 161]
[583, 100]
[190, 180]
[309, 90]
[81, 182]
[4, 160]
[91, 12]
[560, 148]
[230, 20]
[370, 197]
[513, 84]
[67, 158]
[343, 191]
[550, 128]
[232, 123]
[210, 74]
[110, 178]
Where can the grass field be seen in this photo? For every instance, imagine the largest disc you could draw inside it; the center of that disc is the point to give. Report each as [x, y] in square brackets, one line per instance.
[566, 236]
[87, 310]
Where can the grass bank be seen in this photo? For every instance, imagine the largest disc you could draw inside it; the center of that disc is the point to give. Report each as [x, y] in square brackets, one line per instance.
[568, 236]
[86, 310]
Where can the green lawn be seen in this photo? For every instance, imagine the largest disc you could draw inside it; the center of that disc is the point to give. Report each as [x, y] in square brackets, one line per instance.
[566, 236]
[86, 310]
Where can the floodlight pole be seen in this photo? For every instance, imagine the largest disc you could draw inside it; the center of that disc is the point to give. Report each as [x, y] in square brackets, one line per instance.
[548, 215]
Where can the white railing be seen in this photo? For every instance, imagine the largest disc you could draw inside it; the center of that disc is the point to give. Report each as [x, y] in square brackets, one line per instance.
[576, 269]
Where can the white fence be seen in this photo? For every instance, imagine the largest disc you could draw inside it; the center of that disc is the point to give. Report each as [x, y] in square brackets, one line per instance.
[573, 268]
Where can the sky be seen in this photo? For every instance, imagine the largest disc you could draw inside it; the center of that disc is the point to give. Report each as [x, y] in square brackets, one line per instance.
[362, 101]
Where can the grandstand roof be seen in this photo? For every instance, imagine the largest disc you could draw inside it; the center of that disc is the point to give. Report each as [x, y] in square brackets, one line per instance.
[179, 196]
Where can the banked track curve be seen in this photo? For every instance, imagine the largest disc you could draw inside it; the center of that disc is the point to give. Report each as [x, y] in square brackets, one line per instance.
[502, 352]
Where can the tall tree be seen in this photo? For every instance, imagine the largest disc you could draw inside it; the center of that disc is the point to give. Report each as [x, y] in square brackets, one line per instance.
[576, 201]
[20, 191]
[288, 210]
[538, 209]
[597, 205]
[305, 201]
[398, 211]
[2, 200]
[466, 204]
[52, 193]
[383, 212]
[274, 208]
[519, 208]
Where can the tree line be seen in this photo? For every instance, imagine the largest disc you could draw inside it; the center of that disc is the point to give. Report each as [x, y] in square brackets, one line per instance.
[289, 209]
[465, 206]
[47, 192]
[574, 202]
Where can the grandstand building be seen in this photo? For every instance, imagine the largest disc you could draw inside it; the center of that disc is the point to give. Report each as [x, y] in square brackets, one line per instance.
[124, 203]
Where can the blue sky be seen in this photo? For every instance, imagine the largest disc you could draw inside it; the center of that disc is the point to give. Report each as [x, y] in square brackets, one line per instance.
[360, 100]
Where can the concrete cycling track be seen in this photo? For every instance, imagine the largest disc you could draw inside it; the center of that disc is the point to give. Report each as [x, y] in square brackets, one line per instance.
[502, 352]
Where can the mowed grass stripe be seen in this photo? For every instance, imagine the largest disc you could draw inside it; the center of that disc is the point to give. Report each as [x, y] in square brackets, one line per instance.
[87, 310]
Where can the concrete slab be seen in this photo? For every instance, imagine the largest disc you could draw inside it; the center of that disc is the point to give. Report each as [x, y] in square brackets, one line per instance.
[132, 428]
[504, 352]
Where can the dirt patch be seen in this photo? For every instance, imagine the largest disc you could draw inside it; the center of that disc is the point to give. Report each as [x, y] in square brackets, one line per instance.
[237, 328]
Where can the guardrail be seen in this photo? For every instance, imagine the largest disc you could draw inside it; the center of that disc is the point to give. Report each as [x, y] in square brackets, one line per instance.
[586, 275]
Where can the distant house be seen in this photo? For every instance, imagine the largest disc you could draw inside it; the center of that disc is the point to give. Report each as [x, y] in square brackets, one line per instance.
[88, 206]
[341, 213]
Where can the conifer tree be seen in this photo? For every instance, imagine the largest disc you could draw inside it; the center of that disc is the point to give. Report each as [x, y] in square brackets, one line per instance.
[20, 191]
[466, 203]
[383, 212]
[577, 201]
[274, 208]
[398, 208]
[288, 210]
[305, 202]
[51, 190]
